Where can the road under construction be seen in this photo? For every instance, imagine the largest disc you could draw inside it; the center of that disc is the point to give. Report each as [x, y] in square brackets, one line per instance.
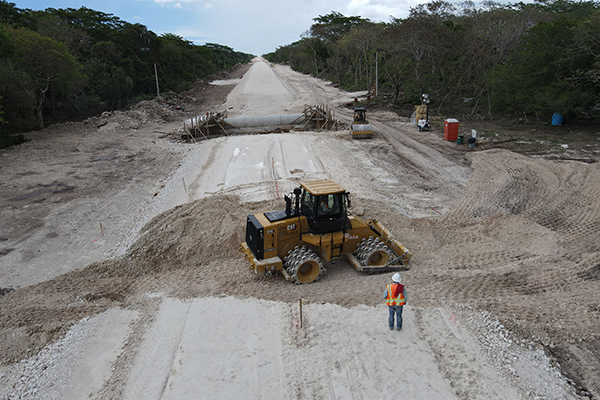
[130, 283]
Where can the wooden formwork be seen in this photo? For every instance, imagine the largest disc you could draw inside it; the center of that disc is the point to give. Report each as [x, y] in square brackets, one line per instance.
[319, 118]
[204, 126]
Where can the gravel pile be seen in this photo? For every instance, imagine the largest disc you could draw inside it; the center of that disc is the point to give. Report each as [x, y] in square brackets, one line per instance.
[62, 369]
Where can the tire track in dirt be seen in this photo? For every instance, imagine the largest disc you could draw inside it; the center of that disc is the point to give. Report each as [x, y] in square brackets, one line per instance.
[522, 242]
[547, 194]
[426, 164]
[536, 191]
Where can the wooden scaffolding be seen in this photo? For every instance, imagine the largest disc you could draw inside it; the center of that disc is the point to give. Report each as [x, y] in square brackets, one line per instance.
[213, 124]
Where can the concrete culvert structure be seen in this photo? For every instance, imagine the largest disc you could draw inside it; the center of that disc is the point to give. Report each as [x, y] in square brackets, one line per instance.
[318, 118]
[265, 122]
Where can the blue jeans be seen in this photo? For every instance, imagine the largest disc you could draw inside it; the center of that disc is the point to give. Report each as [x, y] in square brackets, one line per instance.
[397, 311]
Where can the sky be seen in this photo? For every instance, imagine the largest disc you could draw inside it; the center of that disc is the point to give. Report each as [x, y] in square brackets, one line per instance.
[251, 26]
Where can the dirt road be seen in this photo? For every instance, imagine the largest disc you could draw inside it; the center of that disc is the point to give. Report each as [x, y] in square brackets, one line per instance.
[496, 238]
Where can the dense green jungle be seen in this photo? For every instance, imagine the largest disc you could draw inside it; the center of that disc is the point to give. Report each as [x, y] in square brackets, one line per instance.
[483, 60]
[67, 64]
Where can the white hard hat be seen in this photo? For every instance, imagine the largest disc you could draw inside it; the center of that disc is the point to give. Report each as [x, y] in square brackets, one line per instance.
[396, 278]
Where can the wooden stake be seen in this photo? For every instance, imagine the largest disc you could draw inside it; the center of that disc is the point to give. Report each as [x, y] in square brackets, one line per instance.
[156, 75]
[307, 121]
[237, 127]
[300, 301]
[202, 133]
[222, 128]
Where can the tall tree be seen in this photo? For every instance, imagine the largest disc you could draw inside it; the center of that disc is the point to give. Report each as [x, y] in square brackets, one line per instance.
[471, 57]
[491, 40]
[78, 41]
[587, 48]
[65, 63]
[361, 44]
[542, 76]
[331, 27]
[48, 65]
[10, 14]
[317, 50]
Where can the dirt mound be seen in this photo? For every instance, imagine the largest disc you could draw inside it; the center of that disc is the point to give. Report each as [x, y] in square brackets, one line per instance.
[147, 112]
[522, 243]
[188, 251]
[159, 111]
[190, 235]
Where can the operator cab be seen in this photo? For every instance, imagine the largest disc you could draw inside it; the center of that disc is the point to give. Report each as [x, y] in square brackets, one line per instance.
[324, 204]
[360, 115]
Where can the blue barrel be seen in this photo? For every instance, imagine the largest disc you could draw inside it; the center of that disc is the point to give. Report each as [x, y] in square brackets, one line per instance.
[557, 120]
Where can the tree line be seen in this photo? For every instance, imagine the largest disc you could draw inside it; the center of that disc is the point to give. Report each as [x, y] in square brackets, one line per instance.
[530, 60]
[63, 64]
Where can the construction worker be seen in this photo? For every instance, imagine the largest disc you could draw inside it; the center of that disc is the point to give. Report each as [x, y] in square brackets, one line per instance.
[395, 298]
[323, 205]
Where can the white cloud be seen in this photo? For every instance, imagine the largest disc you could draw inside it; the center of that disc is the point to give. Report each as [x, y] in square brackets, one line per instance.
[380, 10]
[258, 26]
[178, 3]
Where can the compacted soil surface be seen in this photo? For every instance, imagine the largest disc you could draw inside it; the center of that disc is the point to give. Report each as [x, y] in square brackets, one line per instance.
[120, 275]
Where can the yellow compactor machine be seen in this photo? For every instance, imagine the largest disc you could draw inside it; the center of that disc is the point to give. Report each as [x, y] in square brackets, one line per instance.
[314, 228]
[360, 127]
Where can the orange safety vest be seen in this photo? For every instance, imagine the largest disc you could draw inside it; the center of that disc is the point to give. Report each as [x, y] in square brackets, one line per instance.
[390, 300]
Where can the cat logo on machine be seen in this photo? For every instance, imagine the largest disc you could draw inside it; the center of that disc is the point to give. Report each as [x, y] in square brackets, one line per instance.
[291, 227]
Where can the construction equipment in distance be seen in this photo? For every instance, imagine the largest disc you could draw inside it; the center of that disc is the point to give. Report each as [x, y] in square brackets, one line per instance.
[360, 127]
[422, 113]
[317, 228]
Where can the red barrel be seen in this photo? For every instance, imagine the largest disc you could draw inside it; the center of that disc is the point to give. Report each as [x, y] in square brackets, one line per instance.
[451, 129]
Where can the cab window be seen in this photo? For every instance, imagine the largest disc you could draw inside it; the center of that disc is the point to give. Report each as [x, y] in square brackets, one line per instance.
[330, 204]
[309, 200]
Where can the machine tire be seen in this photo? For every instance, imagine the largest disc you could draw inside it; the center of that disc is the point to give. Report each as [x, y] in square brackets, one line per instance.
[377, 257]
[303, 265]
[373, 252]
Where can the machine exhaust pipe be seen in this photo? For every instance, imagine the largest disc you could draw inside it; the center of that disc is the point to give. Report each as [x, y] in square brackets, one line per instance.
[297, 192]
